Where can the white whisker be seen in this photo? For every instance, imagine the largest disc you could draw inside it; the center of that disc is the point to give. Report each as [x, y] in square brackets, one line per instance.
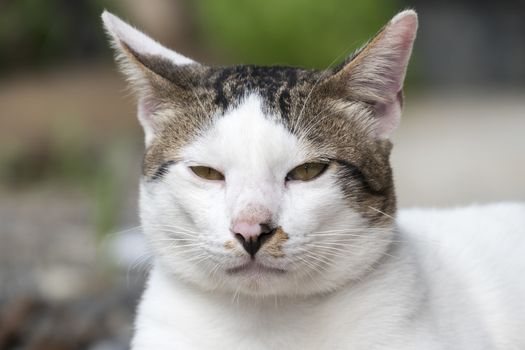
[381, 212]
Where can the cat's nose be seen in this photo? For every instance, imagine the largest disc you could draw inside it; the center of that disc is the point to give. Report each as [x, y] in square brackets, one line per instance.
[252, 236]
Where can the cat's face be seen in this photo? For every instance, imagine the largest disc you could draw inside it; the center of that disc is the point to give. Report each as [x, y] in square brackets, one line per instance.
[268, 180]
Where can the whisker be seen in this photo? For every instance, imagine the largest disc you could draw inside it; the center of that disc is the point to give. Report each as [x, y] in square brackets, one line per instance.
[343, 242]
[357, 229]
[173, 232]
[174, 240]
[381, 212]
[189, 245]
[308, 272]
[175, 227]
[143, 260]
[364, 234]
[340, 250]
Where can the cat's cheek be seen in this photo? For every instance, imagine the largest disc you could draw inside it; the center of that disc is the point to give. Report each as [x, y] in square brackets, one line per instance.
[306, 210]
[204, 203]
[320, 222]
[308, 206]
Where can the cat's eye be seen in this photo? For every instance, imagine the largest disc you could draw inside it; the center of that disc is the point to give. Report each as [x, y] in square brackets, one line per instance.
[306, 171]
[207, 173]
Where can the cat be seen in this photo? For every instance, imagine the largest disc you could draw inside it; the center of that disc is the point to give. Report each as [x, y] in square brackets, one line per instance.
[268, 200]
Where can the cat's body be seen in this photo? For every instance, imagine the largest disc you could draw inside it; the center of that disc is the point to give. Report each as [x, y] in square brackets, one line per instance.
[268, 200]
[445, 286]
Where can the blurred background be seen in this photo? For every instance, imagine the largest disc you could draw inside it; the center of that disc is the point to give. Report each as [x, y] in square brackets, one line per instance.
[70, 145]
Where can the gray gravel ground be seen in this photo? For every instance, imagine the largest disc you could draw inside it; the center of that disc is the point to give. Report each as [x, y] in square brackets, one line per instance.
[59, 288]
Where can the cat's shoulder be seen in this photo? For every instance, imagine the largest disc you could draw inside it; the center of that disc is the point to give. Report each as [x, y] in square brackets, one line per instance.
[480, 243]
[487, 231]
[469, 261]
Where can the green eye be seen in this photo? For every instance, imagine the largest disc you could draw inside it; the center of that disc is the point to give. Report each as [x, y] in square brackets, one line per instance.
[306, 171]
[207, 173]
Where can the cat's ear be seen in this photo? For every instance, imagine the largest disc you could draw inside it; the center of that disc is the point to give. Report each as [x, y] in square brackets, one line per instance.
[148, 65]
[375, 74]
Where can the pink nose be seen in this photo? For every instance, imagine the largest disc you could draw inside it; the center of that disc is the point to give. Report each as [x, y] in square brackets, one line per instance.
[247, 230]
[252, 236]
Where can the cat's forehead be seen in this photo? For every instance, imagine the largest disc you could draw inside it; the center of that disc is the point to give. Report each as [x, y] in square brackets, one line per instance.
[275, 85]
[247, 138]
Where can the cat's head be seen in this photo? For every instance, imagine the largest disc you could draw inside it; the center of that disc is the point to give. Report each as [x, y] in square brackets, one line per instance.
[267, 180]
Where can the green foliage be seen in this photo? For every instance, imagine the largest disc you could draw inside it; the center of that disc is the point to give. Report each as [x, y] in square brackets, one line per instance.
[308, 33]
[39, 32]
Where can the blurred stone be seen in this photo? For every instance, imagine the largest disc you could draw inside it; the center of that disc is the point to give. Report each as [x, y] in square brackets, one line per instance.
[58, 289]
[99, 321]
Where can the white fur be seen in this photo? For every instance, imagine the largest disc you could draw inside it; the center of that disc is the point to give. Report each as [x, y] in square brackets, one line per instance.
[455, 283]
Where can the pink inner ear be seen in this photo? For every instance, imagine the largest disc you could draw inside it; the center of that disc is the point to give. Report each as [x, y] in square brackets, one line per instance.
[146, 107]
[388, 117]
[145, 110]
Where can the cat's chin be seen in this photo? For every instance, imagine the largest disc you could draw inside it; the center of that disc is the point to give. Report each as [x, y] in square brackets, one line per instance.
[256, 279]
[254, 269]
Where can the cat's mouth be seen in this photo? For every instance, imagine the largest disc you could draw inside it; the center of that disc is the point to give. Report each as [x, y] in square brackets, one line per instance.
[254, 267]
